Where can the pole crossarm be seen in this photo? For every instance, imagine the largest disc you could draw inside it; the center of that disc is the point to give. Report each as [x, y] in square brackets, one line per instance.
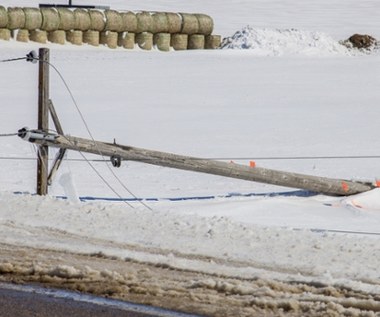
[328, 186]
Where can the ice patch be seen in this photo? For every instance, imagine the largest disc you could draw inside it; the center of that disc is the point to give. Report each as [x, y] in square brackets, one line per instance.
[277, 42]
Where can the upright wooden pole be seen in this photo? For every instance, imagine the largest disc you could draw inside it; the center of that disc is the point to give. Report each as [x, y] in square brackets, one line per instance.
[43, 120]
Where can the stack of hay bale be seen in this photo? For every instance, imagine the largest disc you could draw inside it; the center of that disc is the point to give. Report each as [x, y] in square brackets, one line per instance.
[162, 30]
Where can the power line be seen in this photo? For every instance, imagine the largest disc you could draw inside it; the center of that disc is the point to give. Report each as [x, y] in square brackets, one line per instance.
[13, 59]
[247, 158]
[8, 134]
[32, 57]
[90, 134]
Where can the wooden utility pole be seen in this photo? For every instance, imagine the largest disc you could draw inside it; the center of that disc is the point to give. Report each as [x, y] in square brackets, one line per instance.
[43, 120]
[41, 136]
[329, 186]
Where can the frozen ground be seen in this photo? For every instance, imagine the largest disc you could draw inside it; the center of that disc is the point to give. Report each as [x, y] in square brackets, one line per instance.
[294, 94]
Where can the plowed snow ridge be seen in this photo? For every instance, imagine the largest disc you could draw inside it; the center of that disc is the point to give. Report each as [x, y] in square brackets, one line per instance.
[277, 42]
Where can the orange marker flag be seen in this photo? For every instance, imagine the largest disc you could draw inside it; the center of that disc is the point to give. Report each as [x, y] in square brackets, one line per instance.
[345, 186]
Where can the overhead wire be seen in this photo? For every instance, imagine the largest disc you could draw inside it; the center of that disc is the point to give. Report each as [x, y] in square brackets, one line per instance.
[8, 134]
[246, 158]
[32, 57]
[91, 136]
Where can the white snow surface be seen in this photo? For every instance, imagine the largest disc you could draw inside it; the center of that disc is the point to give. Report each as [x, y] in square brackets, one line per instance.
[301, 95]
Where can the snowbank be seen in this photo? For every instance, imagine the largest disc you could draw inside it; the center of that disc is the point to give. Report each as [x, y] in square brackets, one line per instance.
[277, 42]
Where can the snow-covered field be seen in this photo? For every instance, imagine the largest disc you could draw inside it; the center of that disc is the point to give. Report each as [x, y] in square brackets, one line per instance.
[285, 94]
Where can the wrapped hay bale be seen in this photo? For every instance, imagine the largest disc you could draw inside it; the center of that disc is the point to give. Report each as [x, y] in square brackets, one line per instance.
[160, 23]
[127, 41]
[5, 34]
[114, 21]
[16, 18]
[213, 42]
[174, 22]
[179, 41]
[196, 42]
[82, 20]
[144, 22]
[38, 36]
[91, 37]
[145, 40]
[58, 37]
[3, 17]
[205, 23]
[33, 18]
[22, 35]
[75, 37]
[50, 19]
[162, 41]
[112, 38]
[190, 24]
[129, 21]
[98, 22]
[66, 19]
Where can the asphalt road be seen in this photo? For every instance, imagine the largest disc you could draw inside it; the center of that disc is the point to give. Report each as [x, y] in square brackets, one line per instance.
[21, 303]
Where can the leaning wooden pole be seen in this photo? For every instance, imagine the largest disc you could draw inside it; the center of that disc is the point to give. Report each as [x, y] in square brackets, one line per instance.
[43, 120]
[329, 186]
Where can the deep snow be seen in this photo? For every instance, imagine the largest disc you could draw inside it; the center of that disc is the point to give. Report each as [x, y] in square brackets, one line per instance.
[226, 104]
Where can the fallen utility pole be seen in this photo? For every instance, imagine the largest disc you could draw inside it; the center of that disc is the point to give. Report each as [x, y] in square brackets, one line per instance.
[117, 152]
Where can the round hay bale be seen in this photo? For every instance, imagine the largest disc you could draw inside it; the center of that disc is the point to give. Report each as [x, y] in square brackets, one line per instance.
[128, 41]
[58, 37]
[190, 24]
[98, 22]
[33, 18]
[38, 36]
[114, 21]
[82, 20]
[145, 40]
[205, 23]
[174, 22]
[91, 37]
[16, 18]
[112, 38]
[213, 42]
[144, 22]
[129, 21]
[3, 17]
[162, 41]
[5, 34]
[103, 38]
[196, 42]
[160, 23]
[120, 38]
[66, 18]
[75, 37]
[50, 19]
[22, 35]
[179, 41]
